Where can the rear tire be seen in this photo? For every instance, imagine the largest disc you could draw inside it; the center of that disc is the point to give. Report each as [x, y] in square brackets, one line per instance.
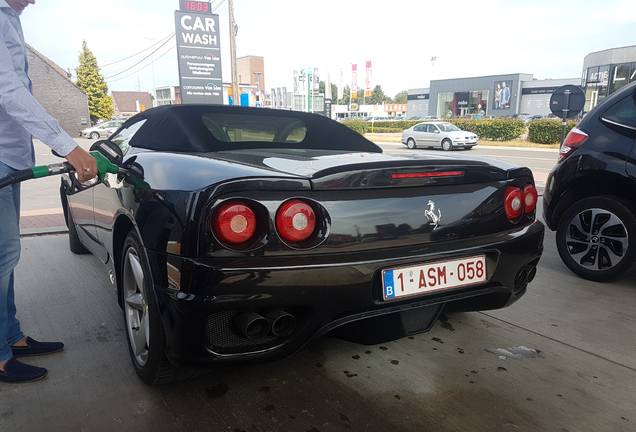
[144, 329]
[447, 145]
[595, 238]
[411, 144]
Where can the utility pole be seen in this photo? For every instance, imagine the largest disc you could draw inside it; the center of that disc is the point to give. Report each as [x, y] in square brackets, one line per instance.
[235, 83]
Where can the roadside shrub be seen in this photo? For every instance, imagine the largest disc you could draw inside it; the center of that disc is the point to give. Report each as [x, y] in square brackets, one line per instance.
[547, 131]
[359, 126]
[491, 129]
[385, 130]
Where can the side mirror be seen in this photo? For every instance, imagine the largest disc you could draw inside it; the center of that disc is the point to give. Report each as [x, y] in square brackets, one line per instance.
[109, 150]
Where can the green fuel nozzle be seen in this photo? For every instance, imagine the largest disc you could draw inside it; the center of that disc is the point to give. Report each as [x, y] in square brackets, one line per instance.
[103, 166]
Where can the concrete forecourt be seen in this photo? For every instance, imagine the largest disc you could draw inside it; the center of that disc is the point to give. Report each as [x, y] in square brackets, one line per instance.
[560, 359]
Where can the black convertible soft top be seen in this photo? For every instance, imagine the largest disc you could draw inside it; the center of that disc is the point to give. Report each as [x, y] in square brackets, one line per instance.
[210, 128]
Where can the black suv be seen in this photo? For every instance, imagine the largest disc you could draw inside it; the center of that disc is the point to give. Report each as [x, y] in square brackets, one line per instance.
[590, 195]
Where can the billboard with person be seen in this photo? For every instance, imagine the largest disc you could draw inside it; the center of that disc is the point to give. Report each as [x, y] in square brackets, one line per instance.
[502, 94]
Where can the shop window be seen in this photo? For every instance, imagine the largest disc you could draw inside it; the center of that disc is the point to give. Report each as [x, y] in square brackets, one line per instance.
[619, 76]
[592, 76]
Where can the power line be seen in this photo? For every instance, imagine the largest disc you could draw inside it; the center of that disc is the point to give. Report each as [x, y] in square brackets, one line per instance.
[145, 49]
[216, 6]
[127, 69]
[142, 68]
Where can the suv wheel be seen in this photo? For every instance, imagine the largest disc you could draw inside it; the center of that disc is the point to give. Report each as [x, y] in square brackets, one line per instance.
[593, 238]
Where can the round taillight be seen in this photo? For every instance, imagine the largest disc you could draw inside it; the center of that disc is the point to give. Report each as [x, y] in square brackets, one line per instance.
[530, 197]
[234, 223]
[513, 202]
[295, 221]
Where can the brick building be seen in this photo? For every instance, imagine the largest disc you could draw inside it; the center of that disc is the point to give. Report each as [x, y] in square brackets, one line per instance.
[54, 90]
[247, 67]
[129, 103]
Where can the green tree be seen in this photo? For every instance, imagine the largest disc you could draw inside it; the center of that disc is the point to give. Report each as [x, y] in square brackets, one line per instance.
[100, 105]
[334, 91]
[402, 97]
[346, 94]
[378, 97]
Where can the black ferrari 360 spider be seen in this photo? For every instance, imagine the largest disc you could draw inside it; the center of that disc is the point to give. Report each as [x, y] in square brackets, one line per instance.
[237, 235]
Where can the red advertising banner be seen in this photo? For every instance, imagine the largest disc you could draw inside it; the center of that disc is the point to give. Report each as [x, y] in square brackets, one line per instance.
[354, 81]
[368, 90]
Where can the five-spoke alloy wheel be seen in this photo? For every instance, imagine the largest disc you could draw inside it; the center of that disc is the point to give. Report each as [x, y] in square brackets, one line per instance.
[144, 329]
[593, 238]
[136, 308]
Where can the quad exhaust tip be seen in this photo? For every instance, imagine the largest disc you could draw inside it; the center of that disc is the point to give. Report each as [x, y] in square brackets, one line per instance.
[255, 326]
[251, 325]
[282, 323]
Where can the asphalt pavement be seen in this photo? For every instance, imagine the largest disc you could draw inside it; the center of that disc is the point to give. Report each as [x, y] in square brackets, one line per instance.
[561, 359]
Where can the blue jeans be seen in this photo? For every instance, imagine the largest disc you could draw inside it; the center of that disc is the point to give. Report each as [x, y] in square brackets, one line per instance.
[9, 255]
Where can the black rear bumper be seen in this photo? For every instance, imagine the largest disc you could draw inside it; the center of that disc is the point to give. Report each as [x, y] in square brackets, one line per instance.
[198, 317]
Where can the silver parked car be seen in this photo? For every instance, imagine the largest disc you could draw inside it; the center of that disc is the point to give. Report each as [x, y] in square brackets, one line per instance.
[438, 134]
[102, 130]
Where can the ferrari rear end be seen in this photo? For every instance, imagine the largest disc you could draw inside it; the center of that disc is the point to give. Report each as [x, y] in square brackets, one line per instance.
[368, 246]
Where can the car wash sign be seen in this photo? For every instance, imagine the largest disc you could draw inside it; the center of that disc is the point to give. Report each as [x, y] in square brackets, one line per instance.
[199, 53]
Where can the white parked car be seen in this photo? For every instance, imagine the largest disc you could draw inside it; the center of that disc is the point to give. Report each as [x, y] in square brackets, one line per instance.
[438, 134]
[102, 130]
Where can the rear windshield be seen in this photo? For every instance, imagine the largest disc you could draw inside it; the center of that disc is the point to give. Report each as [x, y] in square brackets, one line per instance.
[233, 128]
[209, 128]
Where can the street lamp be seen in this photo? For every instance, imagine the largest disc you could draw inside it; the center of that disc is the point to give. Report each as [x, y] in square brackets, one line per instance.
[432, 66]
[258, 89]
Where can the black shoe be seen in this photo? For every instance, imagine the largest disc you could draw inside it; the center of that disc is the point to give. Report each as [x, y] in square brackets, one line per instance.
[35, 348]
[16, 372]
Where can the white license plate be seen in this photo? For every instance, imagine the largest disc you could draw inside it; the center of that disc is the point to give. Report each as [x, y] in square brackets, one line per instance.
[408, 281]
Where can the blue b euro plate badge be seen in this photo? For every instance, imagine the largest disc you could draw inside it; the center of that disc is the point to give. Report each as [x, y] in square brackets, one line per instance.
[389, 292]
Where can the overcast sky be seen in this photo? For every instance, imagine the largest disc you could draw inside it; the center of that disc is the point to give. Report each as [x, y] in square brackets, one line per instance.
[546, 38]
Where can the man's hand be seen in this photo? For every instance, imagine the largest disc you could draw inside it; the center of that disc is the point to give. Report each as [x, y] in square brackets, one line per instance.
[84, 164]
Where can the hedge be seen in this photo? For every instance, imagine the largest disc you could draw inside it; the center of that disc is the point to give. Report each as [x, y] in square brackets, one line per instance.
[384, 130]
[359, 126]
[547, 131]
[491, 129]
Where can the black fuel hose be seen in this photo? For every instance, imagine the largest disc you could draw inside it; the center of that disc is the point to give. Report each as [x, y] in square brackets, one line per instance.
[35, 172]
